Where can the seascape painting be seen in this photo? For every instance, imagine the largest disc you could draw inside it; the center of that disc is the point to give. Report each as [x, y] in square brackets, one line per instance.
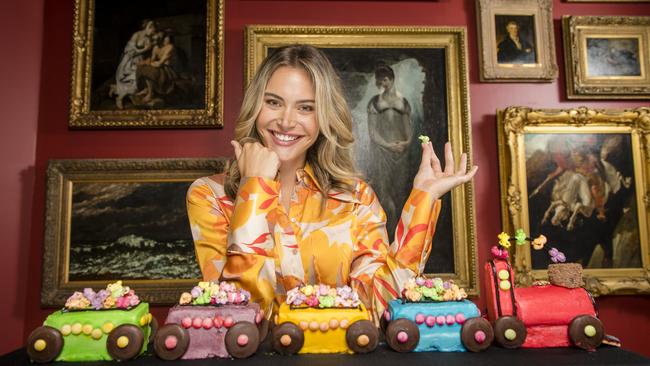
[130, 231]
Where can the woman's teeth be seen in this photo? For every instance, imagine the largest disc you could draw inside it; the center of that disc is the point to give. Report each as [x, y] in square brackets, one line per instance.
[284, 137]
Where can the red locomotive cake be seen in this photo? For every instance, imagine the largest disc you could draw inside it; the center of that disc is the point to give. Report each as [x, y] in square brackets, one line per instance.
[543, 315]
[213, 320]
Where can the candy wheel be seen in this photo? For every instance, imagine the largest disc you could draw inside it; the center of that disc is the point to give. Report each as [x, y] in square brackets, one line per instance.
[477, 334]
[509, 332]
[402, 335]
[242, 339]
[44, 344]
[287, 338]
[171, 342]
[125, 342]
[586, 332]
[362, 336]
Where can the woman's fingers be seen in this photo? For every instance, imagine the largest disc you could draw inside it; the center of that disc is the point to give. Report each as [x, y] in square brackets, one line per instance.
[462, 165]
[449, 160]
[435, 162]
[426, 156]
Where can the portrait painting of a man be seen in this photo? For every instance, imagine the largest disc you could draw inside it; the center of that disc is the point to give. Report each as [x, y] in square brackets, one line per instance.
[515, 35]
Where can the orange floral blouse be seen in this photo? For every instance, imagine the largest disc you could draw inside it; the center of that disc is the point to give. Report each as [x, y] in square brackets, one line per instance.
[266, 250]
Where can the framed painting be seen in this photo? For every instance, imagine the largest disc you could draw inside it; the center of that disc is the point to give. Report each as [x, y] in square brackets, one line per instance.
[607, 57]
[109, 220]
[516, 40]
[580, 177]
[147, 64]
[427, 67]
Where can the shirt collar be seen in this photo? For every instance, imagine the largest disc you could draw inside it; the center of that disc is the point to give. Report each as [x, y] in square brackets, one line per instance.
[306, 176]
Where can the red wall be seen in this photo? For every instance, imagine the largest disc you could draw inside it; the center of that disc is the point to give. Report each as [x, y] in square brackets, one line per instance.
[21, 28]
[626, 317]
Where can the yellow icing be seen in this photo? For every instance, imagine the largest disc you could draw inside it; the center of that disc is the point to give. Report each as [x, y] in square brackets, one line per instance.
[318, 341]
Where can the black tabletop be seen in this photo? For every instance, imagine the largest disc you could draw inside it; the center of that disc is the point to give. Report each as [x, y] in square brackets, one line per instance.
[383, 356]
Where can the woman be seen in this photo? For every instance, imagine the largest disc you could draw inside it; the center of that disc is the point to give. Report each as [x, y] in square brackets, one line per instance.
[134, 53]
[390, 132]
[292, 209]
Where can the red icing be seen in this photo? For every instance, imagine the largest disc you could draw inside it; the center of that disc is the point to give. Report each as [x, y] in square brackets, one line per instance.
[542, 336]
[552, 305]
[505, 299]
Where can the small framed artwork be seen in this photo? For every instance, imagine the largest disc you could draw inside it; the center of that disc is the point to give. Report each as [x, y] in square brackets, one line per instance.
[516, 40]
[579, 177]
[426, 67]
[147, 64]
[109, 220]
[607, 57]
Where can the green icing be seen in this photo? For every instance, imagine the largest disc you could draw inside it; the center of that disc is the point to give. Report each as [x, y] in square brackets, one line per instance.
[82, 347]
[326, 301]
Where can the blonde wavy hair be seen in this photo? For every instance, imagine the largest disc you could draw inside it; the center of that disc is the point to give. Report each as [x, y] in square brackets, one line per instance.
[331, 155]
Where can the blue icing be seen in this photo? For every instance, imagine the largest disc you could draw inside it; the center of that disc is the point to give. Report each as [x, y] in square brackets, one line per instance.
[445, 338]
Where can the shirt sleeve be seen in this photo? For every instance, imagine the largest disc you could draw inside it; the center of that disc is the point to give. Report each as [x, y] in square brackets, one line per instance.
[234, 243]
[379, 270]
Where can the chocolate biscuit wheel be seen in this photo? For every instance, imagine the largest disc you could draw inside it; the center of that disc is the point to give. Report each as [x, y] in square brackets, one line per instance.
[242, 339]
[586, 332]
[126, 348]
[287, 338]
[401, 343]
[509, 332]
[383, 323]
[476, 334]
[50, 342]
[171, 342]
[362, 336]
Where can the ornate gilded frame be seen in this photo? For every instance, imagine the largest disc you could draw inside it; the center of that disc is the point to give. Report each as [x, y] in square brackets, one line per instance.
[83, 117]
[579, 85]
[514, 123]
[260, 38]
[544, 69]
[63, 175]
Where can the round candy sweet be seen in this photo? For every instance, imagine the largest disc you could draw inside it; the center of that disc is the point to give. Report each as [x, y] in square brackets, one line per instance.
[87, 329]
[285, 340]
[107, 327]
[171, 342]
[510, 334]
[504, 274]
[344, 324]
[419, 319]
[242, 340]
[96, 333]
[504, 285]
[430, 320]
[122, 341]
[479, 336]
[324, 326]
[207, 323]
[363, 340]
[450, 319]
[440, 320]
[387, 315]
[218, 322]
[186, 322]
[76, 328]
[313, 325]
[402, 337]
[334, 323]
[197, 323]
[40, 345]
[460, 318]
[590, 331]
[304, 325]
[228, 322]
[66, 329]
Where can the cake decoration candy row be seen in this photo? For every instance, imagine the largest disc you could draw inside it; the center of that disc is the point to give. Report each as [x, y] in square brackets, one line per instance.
[432, 289]
[323, 296]
[115, 296]
[212, 293]
[501, 250]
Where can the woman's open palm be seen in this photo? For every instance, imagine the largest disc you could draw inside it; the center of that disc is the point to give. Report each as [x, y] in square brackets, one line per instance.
[433, 179]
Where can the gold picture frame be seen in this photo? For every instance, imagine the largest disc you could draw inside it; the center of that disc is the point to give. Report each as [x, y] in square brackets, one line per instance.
[607, 57]
[120, 219]
[516, 40]
[430, 70]
[147, 64]
[579, 176]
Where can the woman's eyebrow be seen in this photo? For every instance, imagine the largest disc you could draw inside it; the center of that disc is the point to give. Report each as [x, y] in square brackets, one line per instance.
[267, 94]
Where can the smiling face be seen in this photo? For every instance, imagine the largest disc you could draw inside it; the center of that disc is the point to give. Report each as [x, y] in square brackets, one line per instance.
[287, 122]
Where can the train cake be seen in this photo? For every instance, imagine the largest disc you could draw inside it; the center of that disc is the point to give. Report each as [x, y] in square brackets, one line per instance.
[434, 315]
[213, 320]
[323, 319]
[111, 324]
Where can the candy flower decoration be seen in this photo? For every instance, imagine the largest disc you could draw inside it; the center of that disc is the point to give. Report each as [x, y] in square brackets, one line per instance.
[556, 256]
[424, 139]
[520, 238]
[115, 296]
[432, 289]
[323, 296]
[211, 293]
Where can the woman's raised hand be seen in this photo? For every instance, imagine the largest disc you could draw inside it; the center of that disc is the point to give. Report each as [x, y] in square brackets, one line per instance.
[433, 179]
[255, 160]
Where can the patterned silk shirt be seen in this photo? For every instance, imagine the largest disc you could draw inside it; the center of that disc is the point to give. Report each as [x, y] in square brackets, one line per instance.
[257, 244]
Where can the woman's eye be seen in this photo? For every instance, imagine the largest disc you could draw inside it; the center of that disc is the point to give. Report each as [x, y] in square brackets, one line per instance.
[306, 108]
[273, 102]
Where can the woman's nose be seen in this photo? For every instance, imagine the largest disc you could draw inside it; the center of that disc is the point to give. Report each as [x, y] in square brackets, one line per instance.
[288, 119]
